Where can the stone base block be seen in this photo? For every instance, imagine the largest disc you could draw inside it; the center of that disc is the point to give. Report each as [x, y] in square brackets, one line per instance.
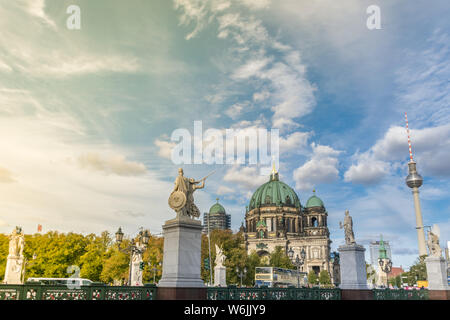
[220, 276]
[182, 254]
[437, 273]
[353, 267]
[181, 293]
[13, 271]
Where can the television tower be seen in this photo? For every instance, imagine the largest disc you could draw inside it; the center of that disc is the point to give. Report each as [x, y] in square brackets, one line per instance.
[414, 181]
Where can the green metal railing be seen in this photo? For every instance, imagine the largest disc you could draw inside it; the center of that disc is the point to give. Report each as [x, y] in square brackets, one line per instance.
[400, 294]
[232, 293]
[61, 292]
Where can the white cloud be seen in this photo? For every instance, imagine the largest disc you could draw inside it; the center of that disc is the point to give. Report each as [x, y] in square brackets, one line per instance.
[236, 110]
[165, 148]
[111, 164]
[429, 146]
[251, 68]
[424, 89]
[6, 176]
[49, 52]
[294, 142]
[225, 190]
[256, 4]
[36, 8]
[246, 177]
[321, 168]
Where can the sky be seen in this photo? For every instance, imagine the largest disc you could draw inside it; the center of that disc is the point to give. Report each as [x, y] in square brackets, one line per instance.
[86, 115]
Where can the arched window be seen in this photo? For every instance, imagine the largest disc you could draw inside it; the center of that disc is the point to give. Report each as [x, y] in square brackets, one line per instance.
[314, 222]
[268, 200]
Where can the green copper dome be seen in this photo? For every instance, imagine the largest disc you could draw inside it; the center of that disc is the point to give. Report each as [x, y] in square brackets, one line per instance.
[274, 193]
[314, 201]
[217, 208]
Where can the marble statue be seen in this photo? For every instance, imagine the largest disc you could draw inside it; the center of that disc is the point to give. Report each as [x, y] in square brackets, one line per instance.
[348, 229]
[16, 243]
[220, 257]
[433, 242]
[182, 197]
[15, 259]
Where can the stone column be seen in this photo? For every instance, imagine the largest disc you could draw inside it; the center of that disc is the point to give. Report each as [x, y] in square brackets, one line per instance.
[13, 271]
[437, 273]
[353, 267]
[220, 276]
[182, 261]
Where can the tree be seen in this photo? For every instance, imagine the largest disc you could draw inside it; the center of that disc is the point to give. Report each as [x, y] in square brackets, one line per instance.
[371, 273]
[312, 277]
[417, 272]
[279, 259]
[116, 266]
[324, 277]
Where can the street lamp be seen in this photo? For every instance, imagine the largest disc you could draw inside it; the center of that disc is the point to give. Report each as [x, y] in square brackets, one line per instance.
[298, 262]
[154, 269]
[142, 238]
[241, 273]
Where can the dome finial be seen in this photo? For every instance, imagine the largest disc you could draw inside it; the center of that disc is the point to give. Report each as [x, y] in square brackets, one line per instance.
[217, 199]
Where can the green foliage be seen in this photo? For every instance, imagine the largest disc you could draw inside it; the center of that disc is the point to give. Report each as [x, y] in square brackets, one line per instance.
[312, 278]
[416, 272]
[396, 282]
[97, 256]
[371, 273]
[279, 259]
[324, 277]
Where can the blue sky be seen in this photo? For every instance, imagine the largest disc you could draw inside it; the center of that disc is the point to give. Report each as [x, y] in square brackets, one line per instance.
[86, 115]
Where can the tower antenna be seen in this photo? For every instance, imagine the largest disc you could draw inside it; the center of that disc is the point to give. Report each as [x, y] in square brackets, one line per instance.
[409, 139]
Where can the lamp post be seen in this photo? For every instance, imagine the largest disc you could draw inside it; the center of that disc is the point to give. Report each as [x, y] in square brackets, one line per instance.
[135, 248]
[154, 269]
[241, 273]
[298, 262]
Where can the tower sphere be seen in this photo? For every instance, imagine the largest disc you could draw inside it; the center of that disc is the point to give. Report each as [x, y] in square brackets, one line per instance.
[413, 180]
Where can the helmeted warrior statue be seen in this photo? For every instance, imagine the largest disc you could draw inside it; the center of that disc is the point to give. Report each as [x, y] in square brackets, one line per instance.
[348, 229]
[182, 197]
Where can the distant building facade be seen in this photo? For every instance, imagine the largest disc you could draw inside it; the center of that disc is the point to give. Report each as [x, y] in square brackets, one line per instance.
[275, 218]
[216, 218]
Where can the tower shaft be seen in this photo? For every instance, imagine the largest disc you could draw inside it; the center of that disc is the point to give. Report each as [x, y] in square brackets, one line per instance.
[419, 223]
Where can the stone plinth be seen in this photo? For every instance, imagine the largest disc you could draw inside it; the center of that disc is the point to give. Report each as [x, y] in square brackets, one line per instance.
[13, 272]
[353, 267]
[220, 276]
[437, 273]
[182, 255]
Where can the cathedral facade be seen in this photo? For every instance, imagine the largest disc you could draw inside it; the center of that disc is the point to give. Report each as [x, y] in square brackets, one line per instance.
[275, 217]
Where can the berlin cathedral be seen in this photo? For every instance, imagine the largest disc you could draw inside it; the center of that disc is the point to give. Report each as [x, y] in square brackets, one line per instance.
[275, 217]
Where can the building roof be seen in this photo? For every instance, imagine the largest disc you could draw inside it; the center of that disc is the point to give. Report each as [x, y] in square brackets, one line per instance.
[274, 193]
[396, 271]
[314, 201]
[217, 208]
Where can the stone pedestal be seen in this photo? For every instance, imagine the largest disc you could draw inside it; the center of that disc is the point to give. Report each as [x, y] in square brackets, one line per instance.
[13, 272]
[220, 276]
[136, 274]
[437, 273]
[182, 255]
[353, 267]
